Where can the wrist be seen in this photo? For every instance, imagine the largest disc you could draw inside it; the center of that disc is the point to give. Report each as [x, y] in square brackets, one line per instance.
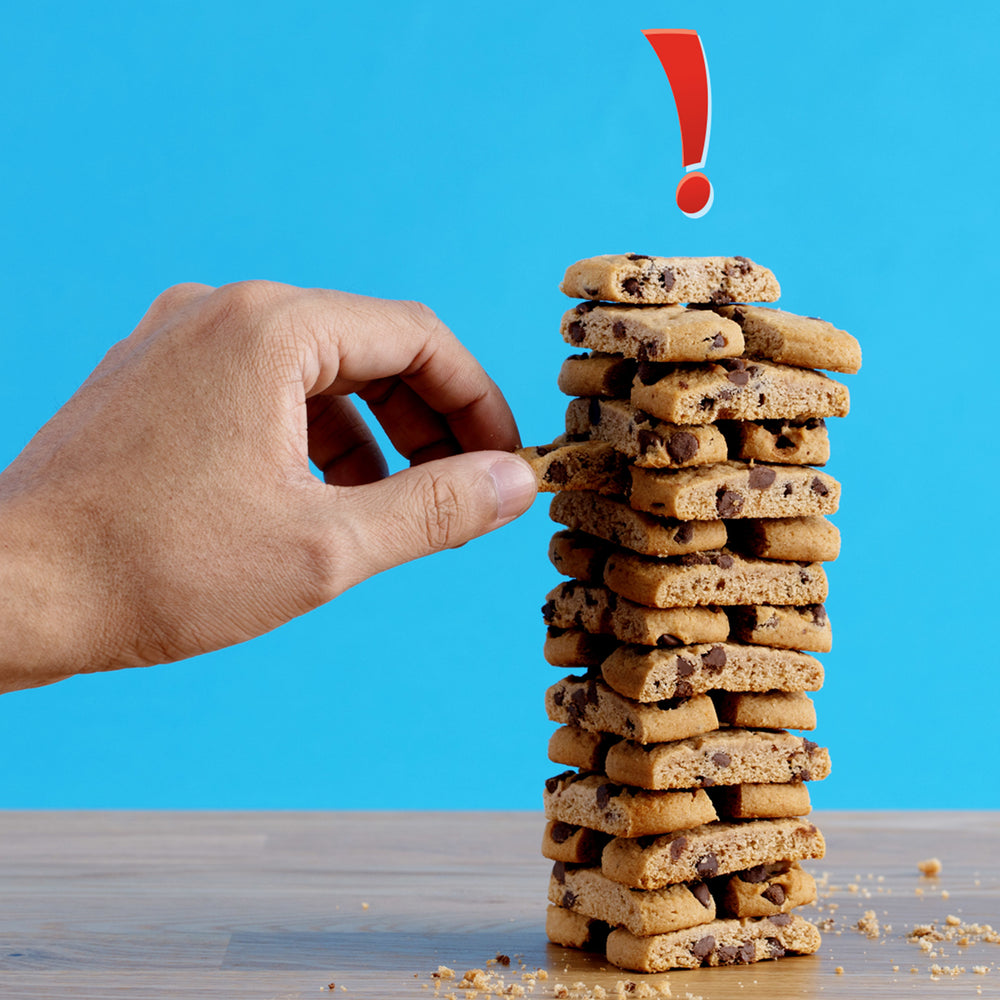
[51, 625]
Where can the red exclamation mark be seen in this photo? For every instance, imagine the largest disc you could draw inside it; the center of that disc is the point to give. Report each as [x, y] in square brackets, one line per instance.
[683, 58]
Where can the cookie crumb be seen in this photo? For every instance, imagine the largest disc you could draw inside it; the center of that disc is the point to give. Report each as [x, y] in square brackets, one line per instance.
[869, 926]
[443, 972]
[331, 986]
[929, 867]
[839, 970]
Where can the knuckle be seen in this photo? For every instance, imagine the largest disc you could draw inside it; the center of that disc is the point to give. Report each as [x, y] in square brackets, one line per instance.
[176, 297]
[443, 514]
[245, 305]
[323, 569]
[422, 316]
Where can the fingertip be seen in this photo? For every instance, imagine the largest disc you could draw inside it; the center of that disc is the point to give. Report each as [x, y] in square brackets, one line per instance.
[515, 484]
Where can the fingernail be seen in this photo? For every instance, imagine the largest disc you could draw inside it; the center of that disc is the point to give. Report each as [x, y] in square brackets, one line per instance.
[515, 484]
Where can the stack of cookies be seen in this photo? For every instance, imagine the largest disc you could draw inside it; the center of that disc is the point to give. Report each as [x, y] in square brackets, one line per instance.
[695, 532]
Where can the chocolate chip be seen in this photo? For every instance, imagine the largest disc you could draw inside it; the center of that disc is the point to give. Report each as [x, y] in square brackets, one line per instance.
[592, 696]
[787, 491]
[578, 708]
[648, 440]
[724, 561]
[703, 947]
[632, 287]
[720, 297]
[677, 847]
[685, 668]
[557, 473]
[684, 533]
[637, 256]
[551, 784]
[721, 759]
[569, 899]
[553, 631]
[737, 378]
[714, 659]
[774, 894]
[667, 641]
[728, 503]
[754, 875]
[559, 872]
[694, 559]
[804, 576]
[594, 411]
[738, 316]
[683, 689]
[809, 746]
[818, 486]
[548, 611]
[748, 953]
[618, 329]
[559, 696]
[819, 614]
[668, 279]
[719, 341]
[561, 832]
[591, 292]
[606, 792]
[682, 446]
[576, 332]
[802, 774]
[707, 866]
[777, 950]
[700, 892]
[761, 477]
[727, 954]
[586, 307]
[781, 919]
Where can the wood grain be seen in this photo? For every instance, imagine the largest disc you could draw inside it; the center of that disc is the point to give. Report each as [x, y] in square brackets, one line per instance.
[272, 905]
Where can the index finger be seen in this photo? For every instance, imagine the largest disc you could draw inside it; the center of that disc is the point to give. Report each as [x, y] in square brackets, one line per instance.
[352, 341]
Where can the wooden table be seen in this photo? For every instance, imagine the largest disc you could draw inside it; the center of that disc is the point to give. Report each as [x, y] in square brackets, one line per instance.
[278, 905]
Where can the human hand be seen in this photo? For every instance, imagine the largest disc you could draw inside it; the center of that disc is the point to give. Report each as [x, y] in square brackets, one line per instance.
[168, 508]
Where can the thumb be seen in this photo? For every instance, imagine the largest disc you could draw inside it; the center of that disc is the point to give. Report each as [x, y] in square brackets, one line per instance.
[427, 508]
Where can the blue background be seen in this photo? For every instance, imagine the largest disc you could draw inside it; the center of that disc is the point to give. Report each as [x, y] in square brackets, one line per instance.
[463, 157]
